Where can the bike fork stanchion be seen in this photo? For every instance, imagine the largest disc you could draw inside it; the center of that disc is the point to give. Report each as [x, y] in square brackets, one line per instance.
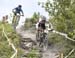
[14, 27]
[14, 23]
[46, 42]
[17, 20]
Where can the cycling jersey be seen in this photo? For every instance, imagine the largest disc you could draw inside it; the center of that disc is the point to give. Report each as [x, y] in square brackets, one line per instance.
[42, 25]
[17, 10]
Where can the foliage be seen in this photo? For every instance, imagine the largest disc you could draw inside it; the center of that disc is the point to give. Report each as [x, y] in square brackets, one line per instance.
[30, 22]
[62, 14]
[6, 51]
[61, 43]
[33, 54]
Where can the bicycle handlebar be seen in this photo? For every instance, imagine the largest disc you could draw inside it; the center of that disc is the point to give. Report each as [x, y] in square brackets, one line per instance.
[19, 15]
[48, 30]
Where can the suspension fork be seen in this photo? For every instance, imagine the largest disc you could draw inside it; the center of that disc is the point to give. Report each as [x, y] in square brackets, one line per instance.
[17, 19]
[14, 22]
[41, 39]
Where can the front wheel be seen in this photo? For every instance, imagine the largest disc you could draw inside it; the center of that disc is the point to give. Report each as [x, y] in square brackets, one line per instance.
[45, 45]
[15, 21]
[45, 42]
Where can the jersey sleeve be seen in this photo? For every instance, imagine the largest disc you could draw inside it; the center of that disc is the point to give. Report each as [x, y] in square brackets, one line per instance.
[22, 11]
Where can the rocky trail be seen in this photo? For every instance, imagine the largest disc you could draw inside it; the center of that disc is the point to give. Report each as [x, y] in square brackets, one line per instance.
[28, 41]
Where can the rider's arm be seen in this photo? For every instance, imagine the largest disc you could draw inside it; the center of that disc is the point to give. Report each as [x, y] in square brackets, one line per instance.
[50, 28]
[14, 10]
[22, 12]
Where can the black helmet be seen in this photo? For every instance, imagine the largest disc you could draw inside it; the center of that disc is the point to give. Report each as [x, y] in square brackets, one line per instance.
[19, 5]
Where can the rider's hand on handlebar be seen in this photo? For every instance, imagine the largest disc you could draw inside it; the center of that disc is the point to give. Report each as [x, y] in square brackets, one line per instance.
[51, 29]
[22, 15]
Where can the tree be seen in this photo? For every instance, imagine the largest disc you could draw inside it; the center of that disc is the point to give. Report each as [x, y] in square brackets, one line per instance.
[30, 22]
[35, 17]
[62, 14]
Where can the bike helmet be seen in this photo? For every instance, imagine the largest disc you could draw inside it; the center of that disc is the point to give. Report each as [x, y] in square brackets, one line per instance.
[43, 18]
[19, 5]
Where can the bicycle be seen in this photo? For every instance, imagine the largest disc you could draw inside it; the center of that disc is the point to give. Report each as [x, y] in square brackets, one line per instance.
[42, 40]
[15, 20]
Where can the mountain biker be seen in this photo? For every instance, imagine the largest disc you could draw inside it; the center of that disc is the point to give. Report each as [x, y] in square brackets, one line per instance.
[40, 26]
[17, 12]
[41, 35]
[43, 25]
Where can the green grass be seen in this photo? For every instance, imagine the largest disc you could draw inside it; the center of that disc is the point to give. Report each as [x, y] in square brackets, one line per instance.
[6, 51]
[64, 45]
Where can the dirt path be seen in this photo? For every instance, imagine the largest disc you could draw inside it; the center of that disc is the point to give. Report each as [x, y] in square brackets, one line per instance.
[50, 53]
